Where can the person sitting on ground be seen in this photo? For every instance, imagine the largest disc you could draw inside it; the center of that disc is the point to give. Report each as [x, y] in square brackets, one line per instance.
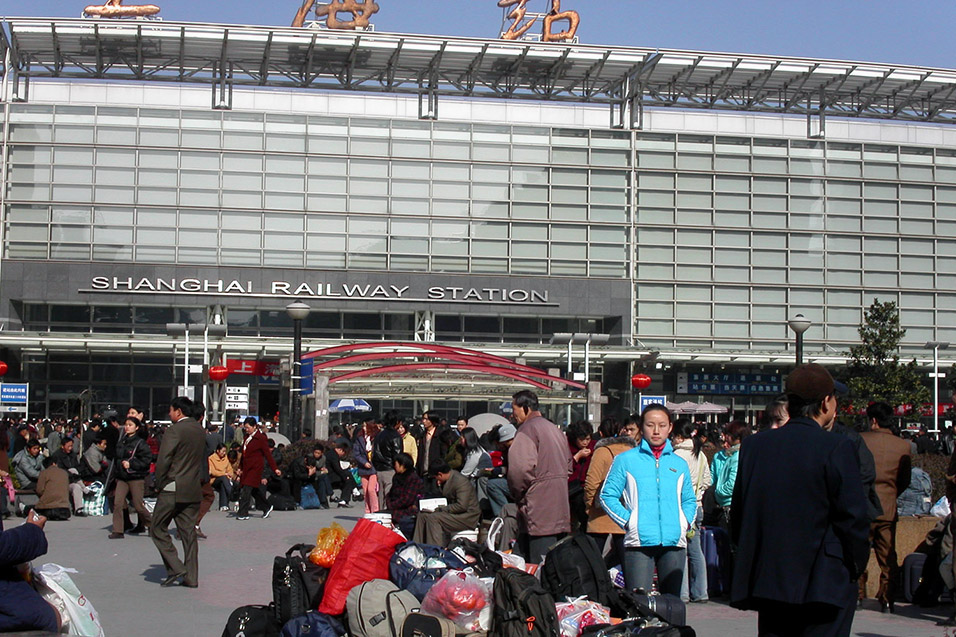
[339, 477]
[21, 607]
[461, 513]
[28, 464]
[95, 464]
[222, 474]
[407, 489]
[67, 460]
[53, 489]
[311, 469]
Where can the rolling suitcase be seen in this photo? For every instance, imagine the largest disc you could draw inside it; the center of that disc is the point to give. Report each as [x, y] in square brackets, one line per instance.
[715, 543]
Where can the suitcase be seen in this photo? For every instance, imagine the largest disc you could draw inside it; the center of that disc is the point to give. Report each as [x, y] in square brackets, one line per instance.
[422, 625]
[912, 574]
[715, 544]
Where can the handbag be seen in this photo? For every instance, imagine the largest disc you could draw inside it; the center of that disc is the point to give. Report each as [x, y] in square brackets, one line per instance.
[95, 501]
[297, 583]
[308, 498]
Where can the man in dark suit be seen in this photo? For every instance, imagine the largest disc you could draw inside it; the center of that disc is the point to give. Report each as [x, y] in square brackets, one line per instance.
[182, 455]
[799, 518]
[892, 459]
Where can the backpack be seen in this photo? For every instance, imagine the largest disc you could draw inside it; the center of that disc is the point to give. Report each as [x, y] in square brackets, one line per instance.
[918, 497]
[308, 498]
[252, 621]
[313, 624]
[378, 609]
[422, 625]
[575, 567]
[297, 583]
[415, 580]
[521, 607]
[281, 502]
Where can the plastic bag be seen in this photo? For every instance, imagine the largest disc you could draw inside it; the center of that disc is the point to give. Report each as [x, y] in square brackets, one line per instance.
[55, 585]
[941, 508]
[328, 543]
[462, 598]
[577, 614]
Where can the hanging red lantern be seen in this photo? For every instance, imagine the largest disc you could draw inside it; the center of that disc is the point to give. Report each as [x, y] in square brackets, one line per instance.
[3, 368]
[218, 373]
[640, 381]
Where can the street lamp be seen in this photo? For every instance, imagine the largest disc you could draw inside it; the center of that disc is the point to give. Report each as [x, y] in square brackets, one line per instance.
[936, 346]
[799, 324]
[297, 312]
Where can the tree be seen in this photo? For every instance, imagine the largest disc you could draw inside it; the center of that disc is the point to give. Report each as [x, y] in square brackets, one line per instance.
[874, 372]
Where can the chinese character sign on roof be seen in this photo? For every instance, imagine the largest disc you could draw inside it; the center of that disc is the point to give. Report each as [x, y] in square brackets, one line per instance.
[361, 12]
[115, 9]
[521, 23]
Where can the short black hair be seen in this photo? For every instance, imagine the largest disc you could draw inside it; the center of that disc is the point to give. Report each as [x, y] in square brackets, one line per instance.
[526, 399]
[440, 466]
[881, 412]
[405, 460]
[249, 420]
[183, 404]
[578, 430]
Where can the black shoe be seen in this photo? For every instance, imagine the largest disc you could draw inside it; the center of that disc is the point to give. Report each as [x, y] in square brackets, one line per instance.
[79, 514]
[949, 621]
[886, 607]
[136, 530]
[171, 580]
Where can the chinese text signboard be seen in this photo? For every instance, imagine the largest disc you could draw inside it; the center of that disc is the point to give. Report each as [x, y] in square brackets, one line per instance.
[730, 384]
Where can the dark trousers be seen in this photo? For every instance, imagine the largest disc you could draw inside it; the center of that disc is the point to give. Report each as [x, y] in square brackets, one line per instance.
[223, 485]
[533, 548]
[342, 480]
[323, 488]
[185, 514]
[208, 497]
[805, 620]
[258, 493]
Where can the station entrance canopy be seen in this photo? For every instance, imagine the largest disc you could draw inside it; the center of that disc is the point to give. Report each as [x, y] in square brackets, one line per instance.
[420, 371]
[628, 79]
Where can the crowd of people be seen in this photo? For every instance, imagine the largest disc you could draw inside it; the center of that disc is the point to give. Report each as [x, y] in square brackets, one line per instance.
[642, 487]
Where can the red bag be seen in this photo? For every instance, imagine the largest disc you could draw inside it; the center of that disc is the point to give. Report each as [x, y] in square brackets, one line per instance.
[365, 557]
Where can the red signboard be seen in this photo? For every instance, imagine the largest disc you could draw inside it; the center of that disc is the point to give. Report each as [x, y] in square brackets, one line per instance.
[253, 368]
[926, 409]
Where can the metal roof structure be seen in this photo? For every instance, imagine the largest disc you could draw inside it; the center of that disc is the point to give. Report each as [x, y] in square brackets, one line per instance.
[625, 78]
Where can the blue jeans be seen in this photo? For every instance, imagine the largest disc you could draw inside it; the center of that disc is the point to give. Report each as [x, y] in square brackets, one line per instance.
[696, 570]
[639, 566]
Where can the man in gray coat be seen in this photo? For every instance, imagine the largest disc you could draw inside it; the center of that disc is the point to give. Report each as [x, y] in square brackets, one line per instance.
[462, 512]
[539, 462]
[179, 465]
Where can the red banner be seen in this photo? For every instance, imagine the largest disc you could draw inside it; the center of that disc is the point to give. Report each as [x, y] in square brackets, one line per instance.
[253, 368]
[925, 410]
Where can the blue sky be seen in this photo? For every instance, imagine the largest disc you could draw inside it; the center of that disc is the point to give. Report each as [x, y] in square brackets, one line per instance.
[901, 32]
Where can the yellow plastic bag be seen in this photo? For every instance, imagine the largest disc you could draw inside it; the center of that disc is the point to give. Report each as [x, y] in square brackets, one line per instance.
[328, 543]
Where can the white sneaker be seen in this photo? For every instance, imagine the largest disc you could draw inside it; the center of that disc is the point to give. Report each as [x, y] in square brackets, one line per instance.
[223, 508]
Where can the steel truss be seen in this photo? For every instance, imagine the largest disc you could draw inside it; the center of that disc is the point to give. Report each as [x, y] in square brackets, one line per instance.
[626, 79]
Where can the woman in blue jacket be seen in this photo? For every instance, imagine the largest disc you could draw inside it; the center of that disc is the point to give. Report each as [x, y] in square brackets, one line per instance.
[650, 494]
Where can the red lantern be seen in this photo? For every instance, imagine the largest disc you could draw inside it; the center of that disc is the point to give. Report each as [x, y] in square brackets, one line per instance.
[3, 368]
[218, 373]
[640, 381]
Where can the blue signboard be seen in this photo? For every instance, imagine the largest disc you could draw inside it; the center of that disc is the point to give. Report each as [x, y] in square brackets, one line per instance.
[305, 382]
[14, 393]
[732, 384]
[652, 400]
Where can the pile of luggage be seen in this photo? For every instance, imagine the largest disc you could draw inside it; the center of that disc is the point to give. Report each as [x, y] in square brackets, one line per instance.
[379, 585]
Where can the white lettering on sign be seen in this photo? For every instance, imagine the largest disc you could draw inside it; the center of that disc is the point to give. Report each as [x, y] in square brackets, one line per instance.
[317, 290]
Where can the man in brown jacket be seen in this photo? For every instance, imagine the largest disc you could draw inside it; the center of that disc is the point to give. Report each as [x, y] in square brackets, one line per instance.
[892, 457]
[538, 466]
[179, 473]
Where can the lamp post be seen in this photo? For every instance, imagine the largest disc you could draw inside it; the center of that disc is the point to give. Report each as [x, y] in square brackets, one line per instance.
[297, 312]
[936, 346]
[799, 324]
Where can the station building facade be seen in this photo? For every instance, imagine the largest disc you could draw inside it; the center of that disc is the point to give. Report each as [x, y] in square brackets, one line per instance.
[689, 239]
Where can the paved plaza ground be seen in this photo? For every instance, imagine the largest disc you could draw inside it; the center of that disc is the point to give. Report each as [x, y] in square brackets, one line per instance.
[121, 578]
